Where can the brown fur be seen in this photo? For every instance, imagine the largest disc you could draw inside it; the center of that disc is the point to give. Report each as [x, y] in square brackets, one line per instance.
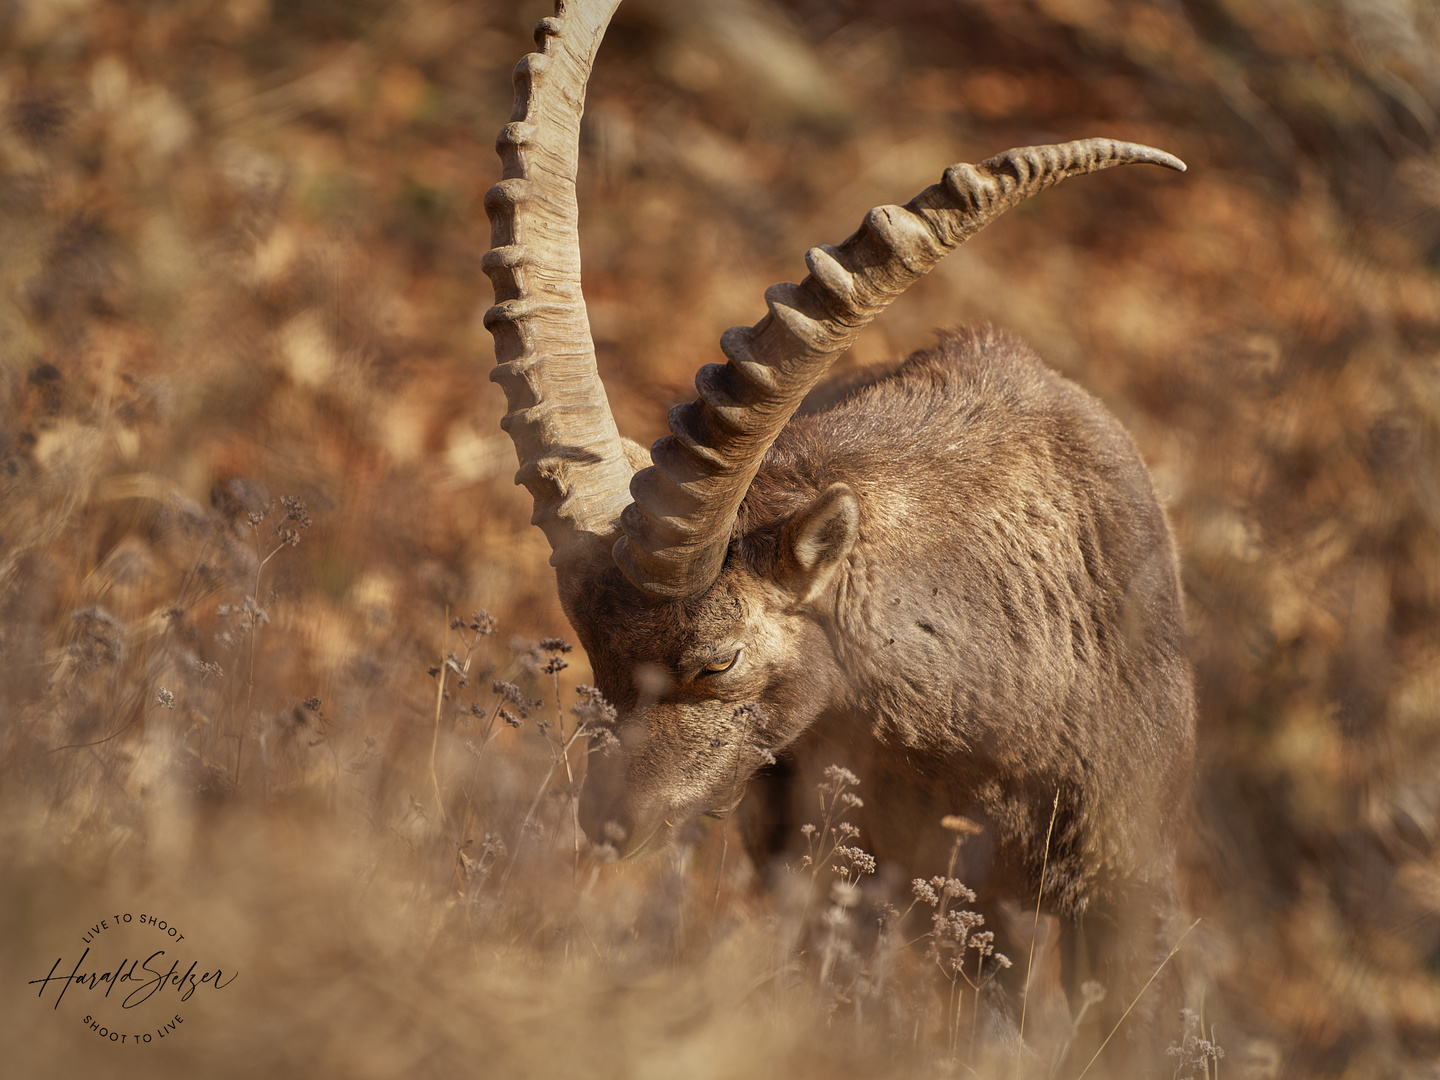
[1002, 620]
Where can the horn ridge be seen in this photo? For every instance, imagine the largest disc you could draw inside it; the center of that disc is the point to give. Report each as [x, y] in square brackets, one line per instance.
[678, 529]
[570, 453]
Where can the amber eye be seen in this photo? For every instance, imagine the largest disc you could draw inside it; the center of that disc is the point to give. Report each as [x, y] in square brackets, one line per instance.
[717, 666]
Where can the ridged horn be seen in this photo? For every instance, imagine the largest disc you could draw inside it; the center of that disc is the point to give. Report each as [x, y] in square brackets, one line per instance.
[571, 457]
[678, 528]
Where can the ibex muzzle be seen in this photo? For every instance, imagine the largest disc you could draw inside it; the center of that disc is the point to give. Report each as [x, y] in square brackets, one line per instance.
[957, 579]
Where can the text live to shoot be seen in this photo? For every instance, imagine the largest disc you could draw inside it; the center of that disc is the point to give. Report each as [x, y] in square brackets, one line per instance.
[153, 976]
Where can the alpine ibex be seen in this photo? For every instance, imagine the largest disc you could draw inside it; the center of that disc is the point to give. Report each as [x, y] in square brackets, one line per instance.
[958, 577]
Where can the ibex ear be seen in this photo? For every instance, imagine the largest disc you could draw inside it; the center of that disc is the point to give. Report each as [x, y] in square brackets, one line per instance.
[816, 541]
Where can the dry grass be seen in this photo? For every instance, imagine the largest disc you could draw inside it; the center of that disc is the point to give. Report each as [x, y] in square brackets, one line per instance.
[239, 259]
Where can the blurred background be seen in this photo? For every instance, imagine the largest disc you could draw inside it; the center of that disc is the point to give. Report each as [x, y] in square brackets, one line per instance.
[240, 249]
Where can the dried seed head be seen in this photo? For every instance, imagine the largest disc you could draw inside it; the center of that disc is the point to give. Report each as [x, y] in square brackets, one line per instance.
[958, 823]
[604, 740]
[844, 894]
[856, 861]
[954, 888]
[592, 708]
[510, 692]
[295, 520]
[956, 925]
[750, 715]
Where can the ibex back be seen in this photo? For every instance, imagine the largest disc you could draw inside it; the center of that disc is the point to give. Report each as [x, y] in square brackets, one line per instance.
[957, 579]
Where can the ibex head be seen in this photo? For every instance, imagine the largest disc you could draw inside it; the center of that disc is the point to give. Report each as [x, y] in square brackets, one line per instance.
[706, 604]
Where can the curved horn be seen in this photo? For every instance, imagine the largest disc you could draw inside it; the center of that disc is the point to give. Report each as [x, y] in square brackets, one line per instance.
[678, 528]
[571, 457]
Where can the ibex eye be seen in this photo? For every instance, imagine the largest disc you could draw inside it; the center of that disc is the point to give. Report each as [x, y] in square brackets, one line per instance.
[721, 665]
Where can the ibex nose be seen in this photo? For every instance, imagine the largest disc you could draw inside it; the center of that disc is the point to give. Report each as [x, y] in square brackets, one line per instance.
[617, 821]
[603, 815]
[610, 830]
[613, 842]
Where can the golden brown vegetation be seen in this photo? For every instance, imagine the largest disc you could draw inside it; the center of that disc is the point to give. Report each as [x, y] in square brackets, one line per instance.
[239, 260]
